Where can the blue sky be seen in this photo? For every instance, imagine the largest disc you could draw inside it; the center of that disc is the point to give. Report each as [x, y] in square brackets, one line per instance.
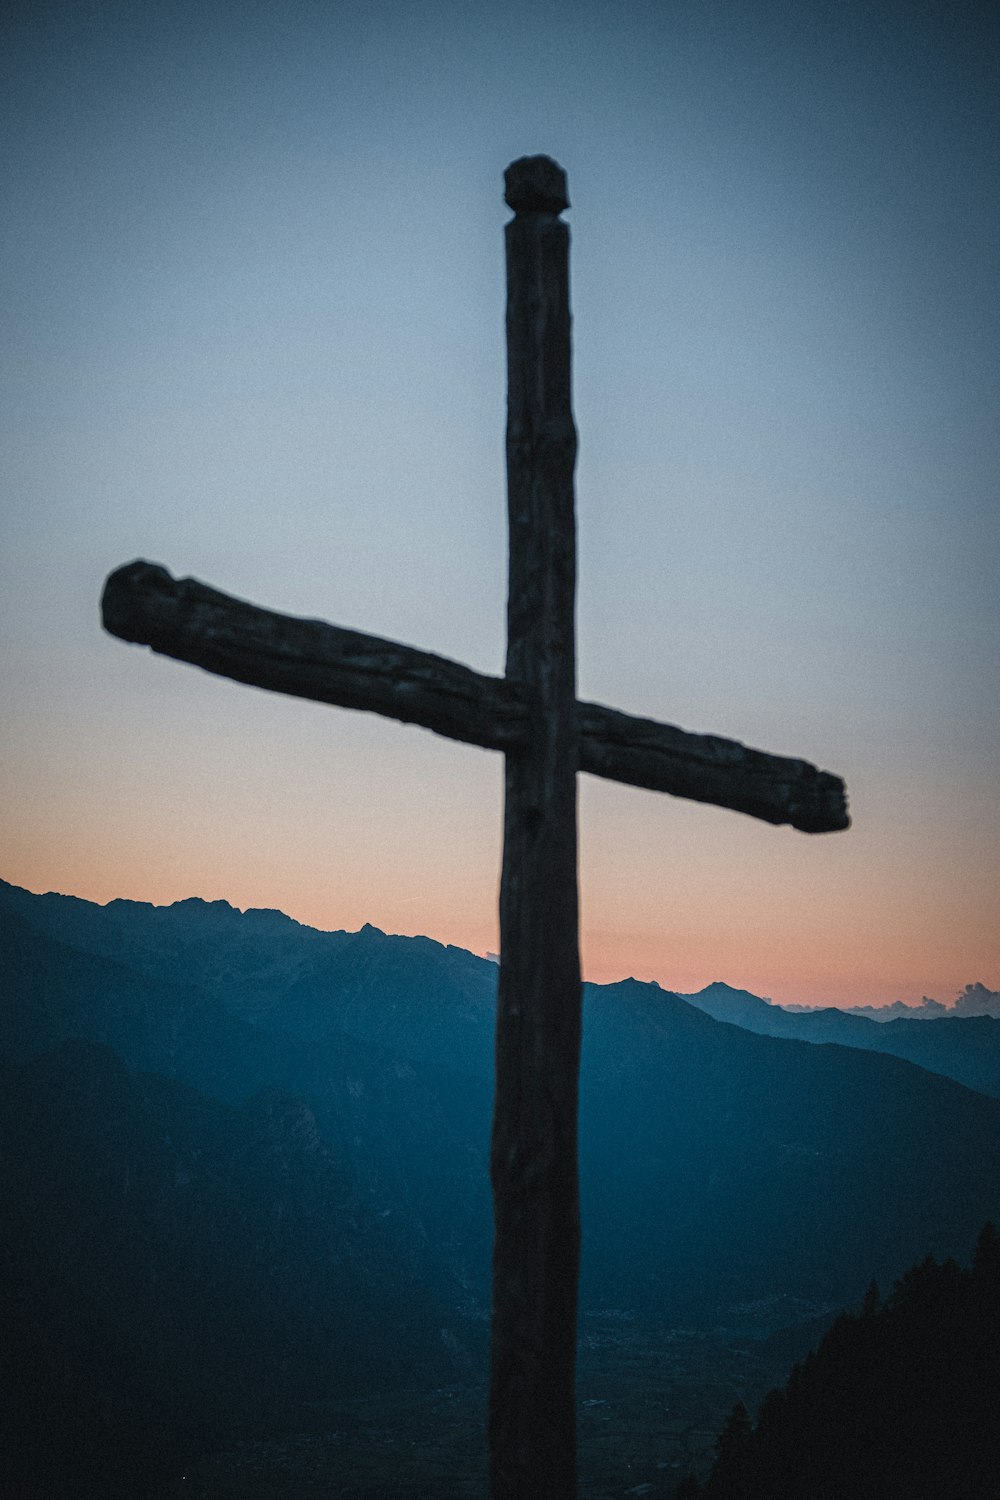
[253, 330]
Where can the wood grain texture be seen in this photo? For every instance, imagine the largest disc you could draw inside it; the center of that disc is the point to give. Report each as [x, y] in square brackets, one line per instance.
[191, 622]
[534, 1143]
[707, 768]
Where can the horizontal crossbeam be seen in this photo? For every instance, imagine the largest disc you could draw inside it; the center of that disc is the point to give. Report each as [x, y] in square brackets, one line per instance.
[191, 622]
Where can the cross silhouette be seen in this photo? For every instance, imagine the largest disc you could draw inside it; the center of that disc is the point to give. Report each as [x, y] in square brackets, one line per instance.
[531, 714]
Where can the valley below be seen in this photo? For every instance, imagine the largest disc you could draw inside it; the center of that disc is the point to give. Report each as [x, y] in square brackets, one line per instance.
[650, 1401]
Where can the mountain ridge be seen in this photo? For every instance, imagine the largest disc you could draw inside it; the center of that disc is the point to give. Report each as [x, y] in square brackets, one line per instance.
[390, 1038]
[965, 1048]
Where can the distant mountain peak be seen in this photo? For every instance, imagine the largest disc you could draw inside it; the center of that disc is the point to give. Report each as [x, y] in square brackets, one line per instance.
[720, 987]
[617, 986]
[199, 904]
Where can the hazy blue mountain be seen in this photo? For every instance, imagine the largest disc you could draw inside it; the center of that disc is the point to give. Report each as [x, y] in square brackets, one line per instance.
[966, 1048]
[172, 1270]
[265, 968]
[413, 1136]
[717, 1165]
[434, 1003]
[926, 1010]
[784, 1167]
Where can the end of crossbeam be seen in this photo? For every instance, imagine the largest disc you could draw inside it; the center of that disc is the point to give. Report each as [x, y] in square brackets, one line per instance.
[535, 185]
[707, 768]
[818, 803]
[126, 599]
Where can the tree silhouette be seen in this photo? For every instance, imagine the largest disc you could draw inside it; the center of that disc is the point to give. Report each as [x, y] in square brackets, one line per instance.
[897, 1403]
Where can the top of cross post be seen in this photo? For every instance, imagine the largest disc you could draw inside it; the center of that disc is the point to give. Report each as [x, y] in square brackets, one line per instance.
[535, 185]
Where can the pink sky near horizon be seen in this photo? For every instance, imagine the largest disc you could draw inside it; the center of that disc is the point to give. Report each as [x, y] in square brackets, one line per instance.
[607, 957]
[728, 915]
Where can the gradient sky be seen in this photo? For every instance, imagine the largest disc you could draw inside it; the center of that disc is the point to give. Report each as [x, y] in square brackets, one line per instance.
[253, 330]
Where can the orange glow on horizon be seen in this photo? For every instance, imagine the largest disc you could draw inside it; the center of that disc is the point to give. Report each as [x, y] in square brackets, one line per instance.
[807, 972]
[403, 831]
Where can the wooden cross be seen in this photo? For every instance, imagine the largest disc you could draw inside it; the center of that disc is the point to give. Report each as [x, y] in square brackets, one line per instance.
[532, 714]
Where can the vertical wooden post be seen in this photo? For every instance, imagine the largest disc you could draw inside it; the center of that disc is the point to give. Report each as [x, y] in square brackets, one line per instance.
[534, 1148]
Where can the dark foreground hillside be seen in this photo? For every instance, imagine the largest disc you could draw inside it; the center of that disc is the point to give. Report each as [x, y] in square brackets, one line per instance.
[899, 1402]
[174, 1272]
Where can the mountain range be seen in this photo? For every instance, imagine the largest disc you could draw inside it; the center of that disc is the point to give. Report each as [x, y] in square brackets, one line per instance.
[253, 1156]
[966, 1047]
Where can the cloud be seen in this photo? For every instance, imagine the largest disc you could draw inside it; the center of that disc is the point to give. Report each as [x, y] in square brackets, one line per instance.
[927, 1010]
[977, 1000]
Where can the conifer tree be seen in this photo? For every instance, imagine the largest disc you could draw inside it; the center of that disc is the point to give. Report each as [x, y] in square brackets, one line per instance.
[897, 1403]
